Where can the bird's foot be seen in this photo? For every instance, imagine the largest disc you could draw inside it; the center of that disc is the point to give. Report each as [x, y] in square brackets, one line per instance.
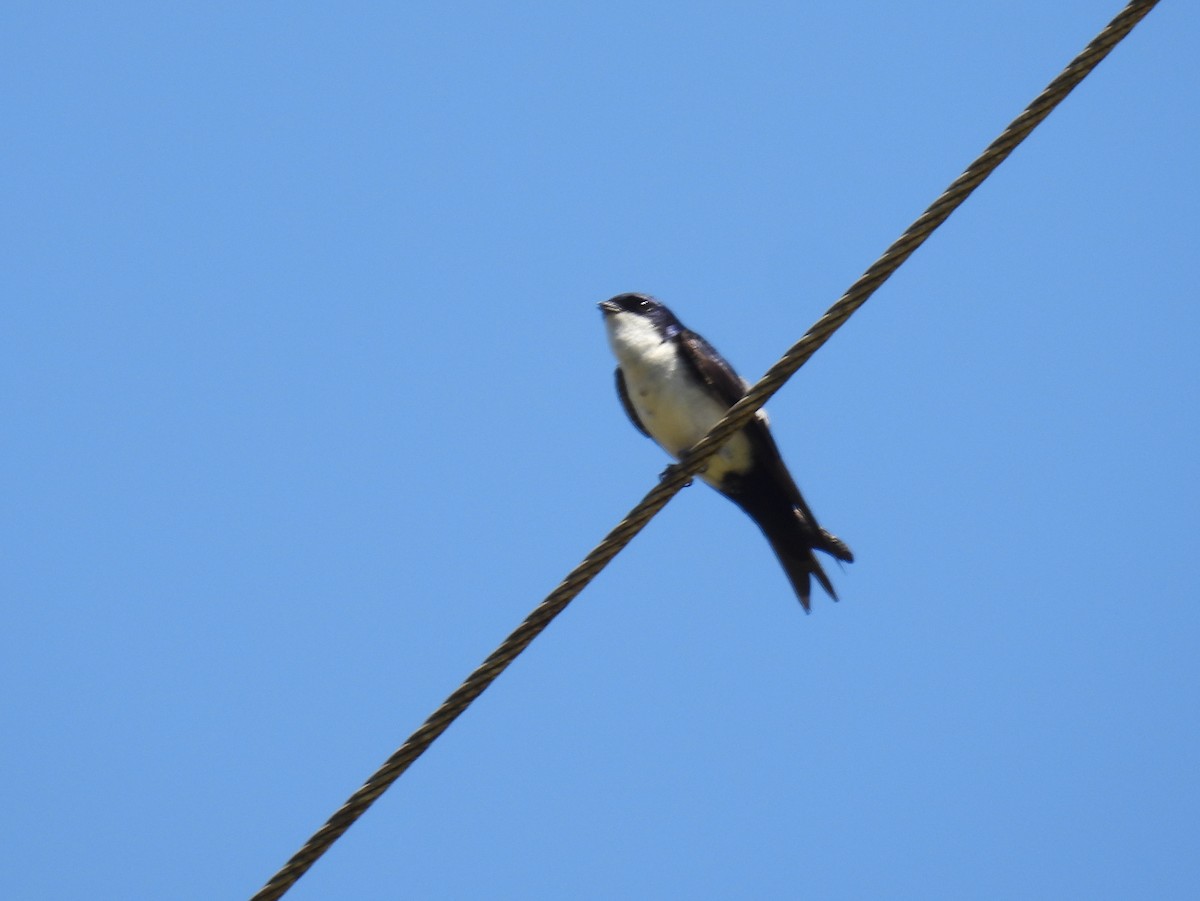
[670, 471]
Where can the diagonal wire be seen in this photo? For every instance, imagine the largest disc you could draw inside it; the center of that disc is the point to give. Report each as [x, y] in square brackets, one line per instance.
[739, 414]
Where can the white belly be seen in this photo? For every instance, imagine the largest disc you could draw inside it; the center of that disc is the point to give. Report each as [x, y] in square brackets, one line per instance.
[673, 408]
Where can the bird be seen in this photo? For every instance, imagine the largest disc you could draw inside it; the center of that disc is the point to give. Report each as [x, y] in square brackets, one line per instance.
[674, 387]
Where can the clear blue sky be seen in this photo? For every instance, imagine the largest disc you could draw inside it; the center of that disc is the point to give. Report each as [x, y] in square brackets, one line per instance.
[307, 403]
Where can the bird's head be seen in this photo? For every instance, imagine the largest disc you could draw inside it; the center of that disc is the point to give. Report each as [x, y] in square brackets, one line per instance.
[645, 308]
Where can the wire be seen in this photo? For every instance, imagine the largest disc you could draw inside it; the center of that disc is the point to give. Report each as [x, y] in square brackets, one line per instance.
[739, 414]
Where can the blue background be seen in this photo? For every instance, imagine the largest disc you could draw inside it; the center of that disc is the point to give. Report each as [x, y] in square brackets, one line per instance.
[307, 403]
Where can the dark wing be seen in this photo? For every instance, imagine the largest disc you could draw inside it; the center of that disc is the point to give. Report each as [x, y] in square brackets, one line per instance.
[623, 393]
[703, 359]
[710, 367]
[771, 473]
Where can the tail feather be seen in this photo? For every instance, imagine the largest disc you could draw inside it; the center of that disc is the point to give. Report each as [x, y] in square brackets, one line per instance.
[834, 546]
[801, 565]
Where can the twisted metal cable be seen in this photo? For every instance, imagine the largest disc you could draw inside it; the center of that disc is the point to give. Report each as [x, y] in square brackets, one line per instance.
[737, 417]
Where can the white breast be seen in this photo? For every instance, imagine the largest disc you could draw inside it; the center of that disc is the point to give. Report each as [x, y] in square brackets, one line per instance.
[674, 409]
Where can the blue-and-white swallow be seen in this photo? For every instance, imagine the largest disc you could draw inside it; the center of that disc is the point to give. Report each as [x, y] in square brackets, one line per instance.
[675, 387]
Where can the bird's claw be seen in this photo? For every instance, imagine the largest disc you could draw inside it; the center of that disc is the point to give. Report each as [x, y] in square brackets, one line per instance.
[670, 471]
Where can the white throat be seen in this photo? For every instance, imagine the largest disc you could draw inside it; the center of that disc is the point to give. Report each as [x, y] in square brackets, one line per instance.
[636, 343]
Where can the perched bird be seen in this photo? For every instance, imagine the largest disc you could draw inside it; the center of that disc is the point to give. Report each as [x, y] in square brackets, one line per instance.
[675, 387]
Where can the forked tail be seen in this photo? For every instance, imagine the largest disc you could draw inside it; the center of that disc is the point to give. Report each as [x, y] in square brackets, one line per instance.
[795, 553]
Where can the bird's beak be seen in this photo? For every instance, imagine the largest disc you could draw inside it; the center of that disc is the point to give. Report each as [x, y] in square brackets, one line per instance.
[607, 307]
